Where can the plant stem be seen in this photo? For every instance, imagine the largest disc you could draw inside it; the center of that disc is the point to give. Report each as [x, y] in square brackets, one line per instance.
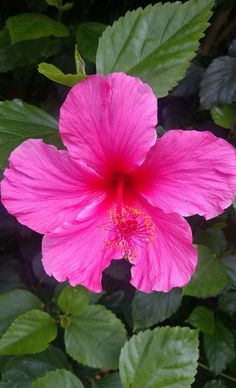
[220, 374]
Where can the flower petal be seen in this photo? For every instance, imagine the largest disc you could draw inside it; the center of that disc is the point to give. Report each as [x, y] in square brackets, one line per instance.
[170, 259]
[109, 122]
[74, 251]
[44, 187]
[189, 172]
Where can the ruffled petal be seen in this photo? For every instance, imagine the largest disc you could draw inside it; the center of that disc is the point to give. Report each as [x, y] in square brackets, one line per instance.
[44, 187]
[109, 122]
[189, 172]
[170, 259]
[75, 251]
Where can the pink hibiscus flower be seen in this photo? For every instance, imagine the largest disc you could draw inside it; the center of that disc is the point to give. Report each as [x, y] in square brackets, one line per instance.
[118, 191]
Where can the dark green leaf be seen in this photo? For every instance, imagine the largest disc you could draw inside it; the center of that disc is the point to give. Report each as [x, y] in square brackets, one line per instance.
[210, 276]
[214, 239]
[218, 84]
[164, 357]
[14, 303]
[95, 338]
[28, 26]
[31, 332]
[227, 303]
[203, 319]
[87, 36]
[215, 384]
[60, 378]
[149, 309]
[155, 44]
[219, 348]
[73, 300]
[54, 74]
[20, 121]
[110, 381]
[224, 115]
[229, 263]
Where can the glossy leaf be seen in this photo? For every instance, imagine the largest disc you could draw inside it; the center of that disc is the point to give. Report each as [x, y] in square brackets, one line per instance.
[224, 115]
[20, 121]
[54, 74]
[73, 300]
[203, 319]
[60, 378]
[218, 84]
[87, 36]
[14, 303]
[27, 26]
[31, 332]
[219, 348]
[160, 358]
[95, 338]
[210, 276]
[149, 309]
[155, 44]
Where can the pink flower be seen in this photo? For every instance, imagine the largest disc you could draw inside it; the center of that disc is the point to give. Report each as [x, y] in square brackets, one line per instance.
[118, 191]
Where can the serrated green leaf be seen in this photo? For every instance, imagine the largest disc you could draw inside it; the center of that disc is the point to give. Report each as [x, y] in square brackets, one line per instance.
[20, 121]
[218, 85]
[87, 36]
[164, 357]
[30, 333]
[227, 303]
[219, 348]
[54, 74]
[60, 378]
[26, 369]
[229, 263]
[203, 319]
[14, 303]
[95, 338]
[210, 276]
[149, 309]
[156, 43]
[28, 26]
[110, 381]
[224, 115]
[73, 300]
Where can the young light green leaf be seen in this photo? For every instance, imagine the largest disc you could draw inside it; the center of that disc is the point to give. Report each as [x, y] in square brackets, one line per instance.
[203, 319]
[31, 332]
[87, 36]
[54, 74]
[95, 338]
[227, 303]
[156, 43]
[210, 276]
[20, 121]
[149, 309]
[28, 26]
[73, 300]
[60, 378]
[219, 348]
[166, 356]
[218, 84]
[224, 115]
[14, 303]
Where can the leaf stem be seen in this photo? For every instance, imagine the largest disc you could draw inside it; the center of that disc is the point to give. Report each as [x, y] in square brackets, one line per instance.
[231, 378]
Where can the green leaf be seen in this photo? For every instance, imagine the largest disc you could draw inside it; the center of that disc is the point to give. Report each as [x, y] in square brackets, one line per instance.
[219, 348]
[28, 26]
[164, 357]
[214, 239]
[30, 333]
[218, 84]
[54, 74]
[229, 263]
[60, 378]
[26, 369]
[58, 4]
[110, 381]
[203, 319]
[224, 115]
[210, 276]
[156, 43]
[14, 303]
[215, 384]
[95, 338]
[20, 121]
[73, 300]
[227, 303]
[149, 309]
[87, 36]
[24, 53]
